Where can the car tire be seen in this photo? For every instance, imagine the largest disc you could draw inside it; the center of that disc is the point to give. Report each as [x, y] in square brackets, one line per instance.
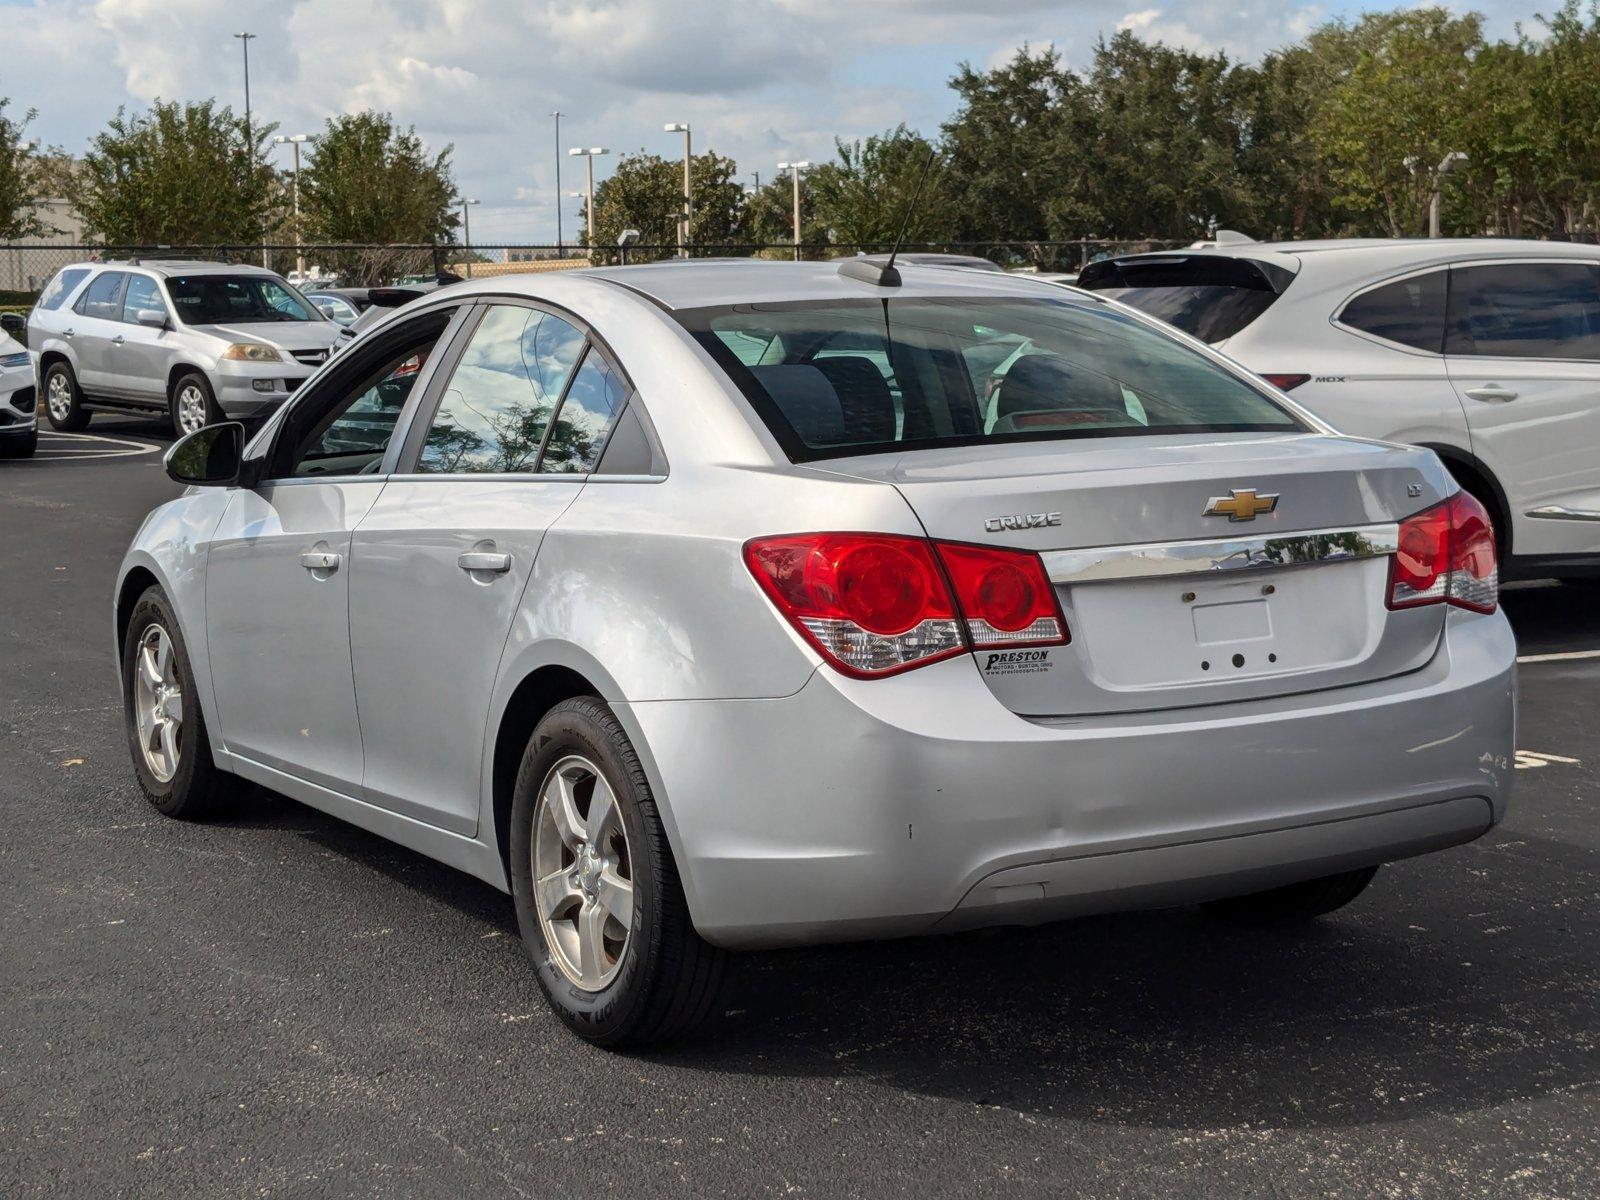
[192, 405]
[655, 978]
[63, 399]
[19, 447]
[1294, 903]
[189, 787]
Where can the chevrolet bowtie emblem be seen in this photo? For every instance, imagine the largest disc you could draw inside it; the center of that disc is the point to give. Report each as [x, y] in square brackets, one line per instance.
[1243, 505]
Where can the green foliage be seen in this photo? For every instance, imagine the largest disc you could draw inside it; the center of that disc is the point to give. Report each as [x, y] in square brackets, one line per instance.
[646, 193]
[181, 174]
[865, 196]
[26, 177]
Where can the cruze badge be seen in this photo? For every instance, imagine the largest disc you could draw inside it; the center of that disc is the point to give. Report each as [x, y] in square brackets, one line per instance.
[1243, 505]
[1021, 521]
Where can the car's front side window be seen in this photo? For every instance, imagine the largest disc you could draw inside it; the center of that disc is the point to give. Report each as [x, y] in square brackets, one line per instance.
[143, 294]
[1526, 310]
[493, 415]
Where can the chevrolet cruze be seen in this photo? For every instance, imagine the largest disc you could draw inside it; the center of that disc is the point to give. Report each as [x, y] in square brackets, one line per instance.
[712, 606]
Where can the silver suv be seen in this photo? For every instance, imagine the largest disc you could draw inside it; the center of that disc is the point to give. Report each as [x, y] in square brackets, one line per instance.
[200, 341]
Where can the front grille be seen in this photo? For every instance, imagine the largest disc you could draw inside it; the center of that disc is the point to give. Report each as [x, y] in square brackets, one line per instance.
[311, 358]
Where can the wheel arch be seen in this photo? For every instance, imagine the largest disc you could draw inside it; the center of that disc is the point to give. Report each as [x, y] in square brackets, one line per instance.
[138, 580]
[184, 367]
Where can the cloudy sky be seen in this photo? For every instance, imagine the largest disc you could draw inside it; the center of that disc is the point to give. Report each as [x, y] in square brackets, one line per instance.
[762, 80]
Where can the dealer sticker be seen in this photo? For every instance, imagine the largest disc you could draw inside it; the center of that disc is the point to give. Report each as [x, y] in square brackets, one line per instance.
[1016, 662]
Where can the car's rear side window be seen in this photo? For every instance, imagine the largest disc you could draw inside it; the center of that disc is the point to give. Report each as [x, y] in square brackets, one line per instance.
[1409, 311]
[61, 286]
[103, 297]
[1208, 296]
[832, 378]
[1525, 310]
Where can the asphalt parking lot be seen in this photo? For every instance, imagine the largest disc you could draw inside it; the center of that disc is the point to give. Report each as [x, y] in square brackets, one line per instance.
[281, 1005]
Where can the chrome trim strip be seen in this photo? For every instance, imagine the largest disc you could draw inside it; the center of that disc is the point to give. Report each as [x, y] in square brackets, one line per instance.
[1220, 554]
[1558, 512]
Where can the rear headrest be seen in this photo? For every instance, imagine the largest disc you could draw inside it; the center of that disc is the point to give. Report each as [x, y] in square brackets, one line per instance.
[1047, 382]
[865, 401]
[832, 401]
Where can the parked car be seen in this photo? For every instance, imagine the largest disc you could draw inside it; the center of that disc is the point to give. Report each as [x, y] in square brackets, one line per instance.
[706, 607]
[19, 428]
[1485, 351]
[199, 341]
[337, 306]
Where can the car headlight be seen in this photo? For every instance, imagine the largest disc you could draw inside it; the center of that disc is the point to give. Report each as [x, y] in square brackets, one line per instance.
[252, 352]
[7, 361]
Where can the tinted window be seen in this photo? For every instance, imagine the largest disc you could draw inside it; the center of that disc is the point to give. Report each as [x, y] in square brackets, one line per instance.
[1526, 310]
[61, 286]
[352, 436]
[1408, 311]
[1208, 296]
[101, 297]
[493, 416]
[143, 292]
[592, 403]
[964, 371]
[236, 300]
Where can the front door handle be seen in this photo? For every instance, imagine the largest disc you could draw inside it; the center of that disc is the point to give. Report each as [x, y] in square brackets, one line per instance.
[66, 333]
[320, 560]
[484, 560]
[1491, 391]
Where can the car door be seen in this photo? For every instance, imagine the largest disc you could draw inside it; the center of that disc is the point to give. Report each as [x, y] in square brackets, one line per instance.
[96, 319]
[141, 358]
[1523, 352]
[443, 557]
[278, 572]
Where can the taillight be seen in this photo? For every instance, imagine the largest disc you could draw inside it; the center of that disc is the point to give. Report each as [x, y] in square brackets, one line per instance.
[1286, 383]
[1447, 555]
[874, 604]
[1004, 595]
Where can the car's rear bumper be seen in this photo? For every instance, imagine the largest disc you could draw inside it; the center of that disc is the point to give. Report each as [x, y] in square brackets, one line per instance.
[904, 805]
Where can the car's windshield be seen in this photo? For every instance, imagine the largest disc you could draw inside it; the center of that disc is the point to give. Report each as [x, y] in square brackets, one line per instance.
[831, 378]
[237, 300]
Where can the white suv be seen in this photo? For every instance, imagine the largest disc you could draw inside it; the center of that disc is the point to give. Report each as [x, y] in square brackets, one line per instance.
[1485, 351]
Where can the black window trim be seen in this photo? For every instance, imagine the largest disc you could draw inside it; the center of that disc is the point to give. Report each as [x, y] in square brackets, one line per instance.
[1593, 264]
[1337, 319]
[416, 433]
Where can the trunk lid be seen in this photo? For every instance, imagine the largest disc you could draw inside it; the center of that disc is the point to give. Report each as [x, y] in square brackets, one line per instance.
[1169, 607]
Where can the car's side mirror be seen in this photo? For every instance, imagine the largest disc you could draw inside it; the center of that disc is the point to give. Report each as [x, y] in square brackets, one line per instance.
[152, 317]
[14, 323]
[209, 457]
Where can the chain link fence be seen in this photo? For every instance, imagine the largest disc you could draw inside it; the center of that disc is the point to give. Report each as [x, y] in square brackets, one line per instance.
[25, 268]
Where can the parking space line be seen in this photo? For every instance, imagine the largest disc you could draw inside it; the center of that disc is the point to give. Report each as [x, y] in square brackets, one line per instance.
[1566, 656]
[76, 449]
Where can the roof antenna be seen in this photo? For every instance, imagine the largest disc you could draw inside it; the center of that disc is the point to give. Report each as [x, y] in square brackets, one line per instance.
[884, 274]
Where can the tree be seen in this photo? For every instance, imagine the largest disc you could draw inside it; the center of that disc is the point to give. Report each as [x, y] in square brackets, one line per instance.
[26, 178]
[366, 181]
[865, 197]
[181, 174]
[645, 192]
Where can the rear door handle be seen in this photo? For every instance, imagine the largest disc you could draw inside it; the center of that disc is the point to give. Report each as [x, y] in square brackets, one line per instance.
[484, 560]
[320, 560]
[1491, 391]
[118, 340]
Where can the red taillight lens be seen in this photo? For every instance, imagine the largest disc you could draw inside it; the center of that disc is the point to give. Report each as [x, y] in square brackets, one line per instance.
[872, 604]
[1004, 595]
[1447, 555]
[1286, 383]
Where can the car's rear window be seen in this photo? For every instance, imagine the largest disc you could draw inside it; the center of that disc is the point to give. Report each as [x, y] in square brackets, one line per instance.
[1211, 297]
[834, 378]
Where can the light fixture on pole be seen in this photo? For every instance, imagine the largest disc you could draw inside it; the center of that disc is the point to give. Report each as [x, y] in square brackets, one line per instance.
[561, 250]
[794, 169]
[245, 39]
[1448, 165]
[295, 140]
[466, 230]
[589, 155]
[688, 194]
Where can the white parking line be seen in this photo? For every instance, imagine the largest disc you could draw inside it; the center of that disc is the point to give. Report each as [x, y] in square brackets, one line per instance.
[89, 445]
[1567, 656]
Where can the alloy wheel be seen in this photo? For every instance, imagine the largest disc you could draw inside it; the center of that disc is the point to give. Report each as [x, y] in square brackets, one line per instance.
[582, 873]
[58, 396]
[158, 703]
[192, 414]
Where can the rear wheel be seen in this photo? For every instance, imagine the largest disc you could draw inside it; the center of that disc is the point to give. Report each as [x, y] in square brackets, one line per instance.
[1296, 902]
[20, 447]
[599, 903]
[63, 399]
[191, 405]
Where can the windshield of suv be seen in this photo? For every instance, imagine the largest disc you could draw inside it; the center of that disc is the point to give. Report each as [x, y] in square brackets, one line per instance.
[237, 300]
[834, 378]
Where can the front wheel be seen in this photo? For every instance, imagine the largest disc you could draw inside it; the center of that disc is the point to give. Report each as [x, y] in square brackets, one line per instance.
[599, 903]
[1296, 902]
[63, 399]
[192, 405]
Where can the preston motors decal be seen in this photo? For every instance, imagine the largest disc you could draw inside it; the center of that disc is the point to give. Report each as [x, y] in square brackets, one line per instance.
[1016, 662]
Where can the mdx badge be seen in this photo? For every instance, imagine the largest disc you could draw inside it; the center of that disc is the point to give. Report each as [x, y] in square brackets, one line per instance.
[1243, 505]
[1021, 521]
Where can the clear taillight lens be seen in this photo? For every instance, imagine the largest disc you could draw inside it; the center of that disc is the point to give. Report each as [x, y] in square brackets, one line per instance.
[1447, 555]
[872, 604]
[1004, 595]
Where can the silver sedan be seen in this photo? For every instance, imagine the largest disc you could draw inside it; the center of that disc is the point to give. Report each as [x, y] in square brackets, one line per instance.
[713, 606]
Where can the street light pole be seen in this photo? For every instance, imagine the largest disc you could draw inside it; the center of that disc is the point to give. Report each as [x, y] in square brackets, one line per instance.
[688, 194]
[794, 169]
[466, 227]
[295, 140]
[249, 131]
[589, 155]
[561, 250]
[1448, 165]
